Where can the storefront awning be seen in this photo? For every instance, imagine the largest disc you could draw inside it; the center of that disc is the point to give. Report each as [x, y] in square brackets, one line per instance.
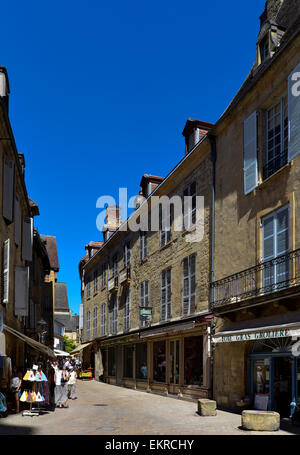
[276, 326]
[32, 343]
[168, 329]
[80, 347]
[58, 352]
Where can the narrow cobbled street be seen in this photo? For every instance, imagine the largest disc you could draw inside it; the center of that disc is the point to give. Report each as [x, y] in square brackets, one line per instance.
[103, 409]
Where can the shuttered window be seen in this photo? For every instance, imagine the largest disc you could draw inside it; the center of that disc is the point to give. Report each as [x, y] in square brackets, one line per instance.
[21, 291]
[8, 189]
[81, 317]
[17, 219]
[115, 265]
[127, 255]
[189, 285]
[103, 319]
[143, 245]
[165, 224]
[294, 113]
[95, 281]
[6, 260]
[166, 295]
[88, 286]
[114, 321]
[250, 153]
[27, 239]
[88, 322]
[95, 322]
[103, 278]
[275, 243]
[189, 205]
[127, 310]
[144, 294]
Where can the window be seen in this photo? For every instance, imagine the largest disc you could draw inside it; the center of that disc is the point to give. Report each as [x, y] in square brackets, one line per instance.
[193, 360]
[165, 224]
[103, 278]
[127, 310]
[277, 138]
[114, 319]
[95, 281]
[275, 243]
[8, 189]
[144, 300]
[6, 255]
[88, 286]
[166, 295]
[143, 245]
[128, 361]
[111, 361]
[115, 265]
[103, 319]
[189, 284]
[159, 361]
[189, 206]
[88, 320]
[27, 239]
[141, 361]
[264, 48]
[127, 255]
[95, 322]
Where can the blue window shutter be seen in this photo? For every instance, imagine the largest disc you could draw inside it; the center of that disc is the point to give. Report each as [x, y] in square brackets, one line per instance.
[269, 238]
[250, 153]
[294, 113]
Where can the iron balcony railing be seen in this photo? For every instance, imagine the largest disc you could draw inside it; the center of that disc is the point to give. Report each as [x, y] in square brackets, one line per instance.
[266, 277]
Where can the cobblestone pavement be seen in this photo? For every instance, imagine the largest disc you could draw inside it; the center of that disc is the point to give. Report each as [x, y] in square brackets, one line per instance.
[103, 409]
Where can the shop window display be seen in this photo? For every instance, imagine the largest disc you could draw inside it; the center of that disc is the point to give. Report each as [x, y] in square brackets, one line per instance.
[128, 364]
[141, 361]
[193, 360]
[111, 362]
[159, 361]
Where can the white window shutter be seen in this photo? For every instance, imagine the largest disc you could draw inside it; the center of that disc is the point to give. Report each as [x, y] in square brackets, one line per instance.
[6, 254]
[81, 317]
[294, 113]
[21, 290]
[17, 220]
[8, 189]
[250, 153]
[27, 239]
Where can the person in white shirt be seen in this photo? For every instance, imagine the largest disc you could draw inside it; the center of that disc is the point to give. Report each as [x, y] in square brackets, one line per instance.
[72, 384]
[61, 395]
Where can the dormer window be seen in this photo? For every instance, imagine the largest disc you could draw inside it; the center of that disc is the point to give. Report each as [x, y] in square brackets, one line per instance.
[265, 48]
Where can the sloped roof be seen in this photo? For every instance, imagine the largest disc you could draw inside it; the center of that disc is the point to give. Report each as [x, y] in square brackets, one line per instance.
[61, 297]
[51, 248]
[66, 320]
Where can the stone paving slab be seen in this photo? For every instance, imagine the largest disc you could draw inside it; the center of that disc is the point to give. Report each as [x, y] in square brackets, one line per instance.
[103, 409]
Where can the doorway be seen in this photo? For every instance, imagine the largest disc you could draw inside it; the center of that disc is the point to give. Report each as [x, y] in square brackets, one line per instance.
[174, 354]
[282, 391]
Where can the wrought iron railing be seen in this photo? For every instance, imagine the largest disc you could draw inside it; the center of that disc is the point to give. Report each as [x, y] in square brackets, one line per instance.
[264, 278]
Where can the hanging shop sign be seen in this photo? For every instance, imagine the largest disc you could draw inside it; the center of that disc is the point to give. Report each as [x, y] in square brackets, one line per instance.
[256, 335]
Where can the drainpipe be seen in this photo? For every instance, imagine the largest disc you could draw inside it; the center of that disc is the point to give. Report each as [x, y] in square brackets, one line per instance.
[213, 157]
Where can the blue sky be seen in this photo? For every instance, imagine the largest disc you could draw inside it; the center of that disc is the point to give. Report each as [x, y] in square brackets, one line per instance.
[101, 91]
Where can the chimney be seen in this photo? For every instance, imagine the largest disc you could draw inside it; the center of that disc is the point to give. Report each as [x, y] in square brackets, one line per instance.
[112, 221]
[4, 86]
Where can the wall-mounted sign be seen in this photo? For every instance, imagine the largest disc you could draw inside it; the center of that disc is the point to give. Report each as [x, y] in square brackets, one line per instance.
[257, 335]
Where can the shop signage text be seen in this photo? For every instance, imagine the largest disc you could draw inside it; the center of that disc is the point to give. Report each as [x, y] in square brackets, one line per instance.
[253, 336]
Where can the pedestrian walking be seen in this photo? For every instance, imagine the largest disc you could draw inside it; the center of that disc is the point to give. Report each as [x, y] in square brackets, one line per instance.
[72, 384]
[61, 392]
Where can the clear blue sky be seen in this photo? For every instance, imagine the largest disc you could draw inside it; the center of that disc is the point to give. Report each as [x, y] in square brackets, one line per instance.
[101, 91]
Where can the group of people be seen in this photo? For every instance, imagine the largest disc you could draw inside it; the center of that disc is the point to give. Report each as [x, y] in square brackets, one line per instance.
[64, 382]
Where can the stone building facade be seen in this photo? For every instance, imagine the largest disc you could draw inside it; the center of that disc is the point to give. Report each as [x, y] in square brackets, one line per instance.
[145, 311]
[255, 291]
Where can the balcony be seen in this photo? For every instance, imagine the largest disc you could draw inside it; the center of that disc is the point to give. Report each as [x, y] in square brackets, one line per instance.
[279, 277]
[125, 276]
[113, 284]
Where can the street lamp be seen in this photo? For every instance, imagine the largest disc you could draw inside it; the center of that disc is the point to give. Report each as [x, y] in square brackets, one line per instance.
[42, 328]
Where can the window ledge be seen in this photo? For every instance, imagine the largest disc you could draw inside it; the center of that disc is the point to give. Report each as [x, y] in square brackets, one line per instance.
[283, 169]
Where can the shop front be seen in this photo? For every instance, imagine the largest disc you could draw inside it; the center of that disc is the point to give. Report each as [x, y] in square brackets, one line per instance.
[174, 360]
[271, 367]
